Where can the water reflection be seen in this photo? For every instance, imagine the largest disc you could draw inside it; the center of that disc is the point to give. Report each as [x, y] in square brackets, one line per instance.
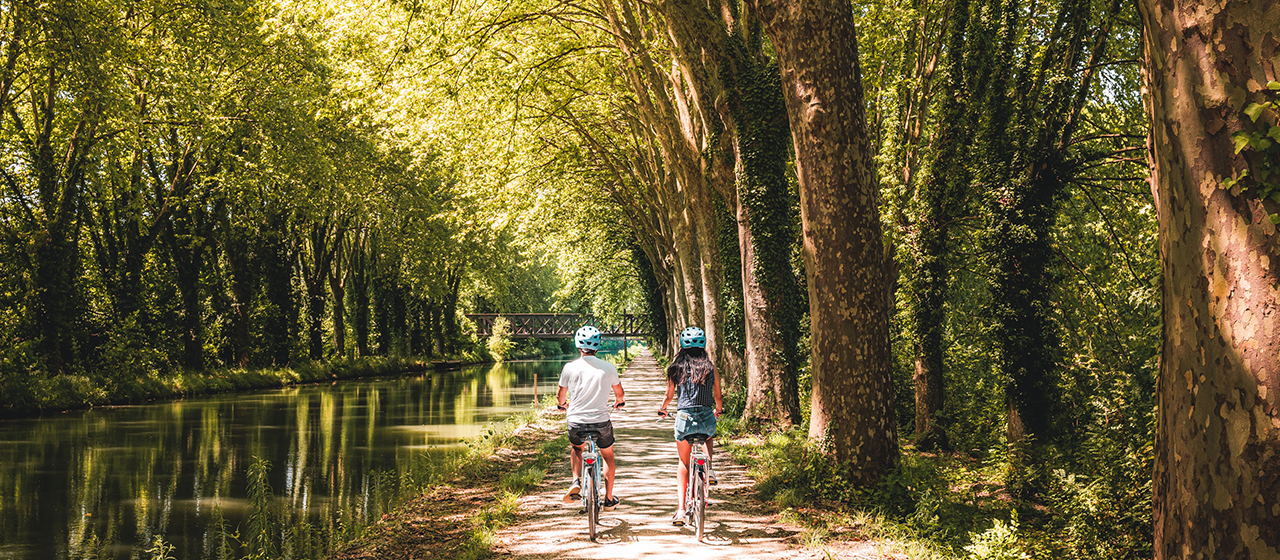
[111, 480]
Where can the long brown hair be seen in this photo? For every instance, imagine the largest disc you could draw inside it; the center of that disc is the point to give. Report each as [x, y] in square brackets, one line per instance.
[690, 364]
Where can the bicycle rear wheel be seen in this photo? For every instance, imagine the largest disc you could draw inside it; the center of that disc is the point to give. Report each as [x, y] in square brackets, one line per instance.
[591, 498]
[700, 502]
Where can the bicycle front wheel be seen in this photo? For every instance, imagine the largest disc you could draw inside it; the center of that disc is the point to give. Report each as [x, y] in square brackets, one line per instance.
[591, 497]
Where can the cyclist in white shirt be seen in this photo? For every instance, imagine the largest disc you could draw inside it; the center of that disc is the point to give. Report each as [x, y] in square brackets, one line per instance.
[586, 383]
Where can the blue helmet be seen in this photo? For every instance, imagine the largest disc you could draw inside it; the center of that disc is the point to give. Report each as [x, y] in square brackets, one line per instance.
[693, 337]
[587, 338]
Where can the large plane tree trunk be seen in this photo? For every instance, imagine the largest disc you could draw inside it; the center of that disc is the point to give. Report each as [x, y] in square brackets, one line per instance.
[1217, 472]
[843, 248]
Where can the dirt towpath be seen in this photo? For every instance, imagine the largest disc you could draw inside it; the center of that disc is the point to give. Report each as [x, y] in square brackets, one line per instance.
[738, 527]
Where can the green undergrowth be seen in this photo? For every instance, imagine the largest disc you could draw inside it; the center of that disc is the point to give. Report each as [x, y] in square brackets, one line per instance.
[936, 505]
[486, 523]
[39, 392]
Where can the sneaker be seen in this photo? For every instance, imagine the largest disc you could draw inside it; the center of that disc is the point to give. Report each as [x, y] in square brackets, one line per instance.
[610, 503]
[711, 476]
[575, 491]
[678, 518]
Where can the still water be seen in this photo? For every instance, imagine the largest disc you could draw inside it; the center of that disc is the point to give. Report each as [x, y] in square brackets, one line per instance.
[113, 479]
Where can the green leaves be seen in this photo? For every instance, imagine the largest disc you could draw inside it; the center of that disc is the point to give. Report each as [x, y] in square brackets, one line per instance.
[1261, 151]
[1254, 110]
[1241, 139]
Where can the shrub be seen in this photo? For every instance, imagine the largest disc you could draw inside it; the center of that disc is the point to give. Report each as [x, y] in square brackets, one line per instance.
[500, 343]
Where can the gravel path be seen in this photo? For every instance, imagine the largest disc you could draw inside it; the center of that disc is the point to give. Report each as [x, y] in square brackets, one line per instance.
[640, 527]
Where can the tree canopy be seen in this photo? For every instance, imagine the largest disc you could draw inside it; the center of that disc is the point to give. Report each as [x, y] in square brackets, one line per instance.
[923, 224]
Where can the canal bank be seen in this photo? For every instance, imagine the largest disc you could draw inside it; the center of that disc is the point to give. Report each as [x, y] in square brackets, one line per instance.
[74, 392]
[111, 482]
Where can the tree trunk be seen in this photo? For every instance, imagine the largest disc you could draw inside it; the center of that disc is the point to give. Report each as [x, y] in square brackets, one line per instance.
[338, 288]
[56, 250]
[771, 296]
[452, 333]
[772, 389]
[1217, 467]
[383, 297]
[244, 281]
[711, 271]
[435, 332]
[399, 321]
[733, 337]
[652, 291]
[186, 236]
[277, 268]
[315, 274]
[843, 248]
[316, 301]
[360, 291]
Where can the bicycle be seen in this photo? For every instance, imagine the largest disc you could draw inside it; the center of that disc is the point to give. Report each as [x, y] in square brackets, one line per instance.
[696, 490]
[591, 479]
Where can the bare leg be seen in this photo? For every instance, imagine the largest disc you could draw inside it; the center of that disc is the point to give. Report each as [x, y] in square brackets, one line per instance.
[707, 447]
[682, 473]
[609, 467]
[575, 459]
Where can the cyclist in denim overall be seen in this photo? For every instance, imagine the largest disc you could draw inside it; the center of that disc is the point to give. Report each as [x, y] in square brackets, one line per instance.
[693, 381]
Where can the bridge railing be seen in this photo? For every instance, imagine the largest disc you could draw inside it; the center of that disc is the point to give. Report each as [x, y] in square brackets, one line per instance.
[559, 325]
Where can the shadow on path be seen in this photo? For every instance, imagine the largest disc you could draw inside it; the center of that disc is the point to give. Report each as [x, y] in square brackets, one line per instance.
[641, 526]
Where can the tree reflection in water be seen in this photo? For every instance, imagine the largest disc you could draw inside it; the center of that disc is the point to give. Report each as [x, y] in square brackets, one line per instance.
[111, 481]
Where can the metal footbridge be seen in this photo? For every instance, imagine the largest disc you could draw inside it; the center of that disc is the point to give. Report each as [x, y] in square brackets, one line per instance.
[560, 325]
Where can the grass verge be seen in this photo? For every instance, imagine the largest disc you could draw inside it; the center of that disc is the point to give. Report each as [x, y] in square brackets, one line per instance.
[944, 505]
[932, 507]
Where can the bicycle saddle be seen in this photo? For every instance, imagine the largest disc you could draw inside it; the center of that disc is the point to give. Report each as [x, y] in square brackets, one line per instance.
[696, 438]
[589, 434]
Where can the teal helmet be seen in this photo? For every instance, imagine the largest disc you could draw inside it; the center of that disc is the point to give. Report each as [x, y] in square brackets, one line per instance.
[587, 338]
[693, 337]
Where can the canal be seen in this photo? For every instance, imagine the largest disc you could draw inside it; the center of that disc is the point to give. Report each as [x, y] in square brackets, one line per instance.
[111, 480]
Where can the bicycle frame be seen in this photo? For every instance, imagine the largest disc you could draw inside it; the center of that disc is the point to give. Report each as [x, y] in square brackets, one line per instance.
[591, 477]
[696, 488]
[695, 497]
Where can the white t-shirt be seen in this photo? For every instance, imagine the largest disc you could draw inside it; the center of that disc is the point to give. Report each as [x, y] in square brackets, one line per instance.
[590, 381]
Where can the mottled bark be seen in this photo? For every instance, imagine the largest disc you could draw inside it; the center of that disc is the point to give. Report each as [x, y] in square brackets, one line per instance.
[1217, 473]
[843, 249]
[711, 271]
